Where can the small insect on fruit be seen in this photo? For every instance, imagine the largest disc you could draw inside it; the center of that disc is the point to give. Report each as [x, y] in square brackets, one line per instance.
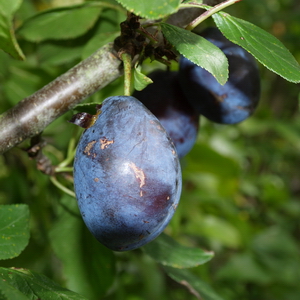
[127, 175]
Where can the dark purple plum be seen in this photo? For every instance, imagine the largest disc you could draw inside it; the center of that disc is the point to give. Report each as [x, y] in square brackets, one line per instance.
[127, 175]
[166, 101]
[230, 103]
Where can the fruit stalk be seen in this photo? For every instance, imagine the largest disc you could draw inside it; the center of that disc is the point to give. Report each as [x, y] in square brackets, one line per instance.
[31, 115]
[127, 61]
[210, 11]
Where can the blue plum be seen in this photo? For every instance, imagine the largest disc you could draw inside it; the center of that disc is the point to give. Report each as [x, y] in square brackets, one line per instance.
[171, 108]
[127, 175]
[230, 103]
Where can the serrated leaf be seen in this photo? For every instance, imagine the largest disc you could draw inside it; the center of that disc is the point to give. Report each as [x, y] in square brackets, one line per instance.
[267, 49]
[14, 230]
[194, 284]
[60, 23]
[154, 9]
[36, 286]
[8, 42]
[168, 252]
[198, 50]
[140, 79]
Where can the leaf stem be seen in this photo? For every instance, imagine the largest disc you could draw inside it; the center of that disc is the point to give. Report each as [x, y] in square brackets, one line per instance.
[210, 11]
[126, 58]
[70, 156]
[148, 35]
[63, 169]
[62, 187]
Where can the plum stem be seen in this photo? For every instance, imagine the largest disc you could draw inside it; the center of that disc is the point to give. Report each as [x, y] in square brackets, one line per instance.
[127, 61]
[62, 187]
[210, 10]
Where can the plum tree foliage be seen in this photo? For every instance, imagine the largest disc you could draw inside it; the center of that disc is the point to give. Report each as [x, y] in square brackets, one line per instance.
[227, 239]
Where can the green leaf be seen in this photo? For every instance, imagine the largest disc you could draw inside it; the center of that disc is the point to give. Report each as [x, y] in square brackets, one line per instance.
[168, 252]
[217, 229]
[97, 41]
[107, 29]
[203, 158]
[154, 9]
[8, 42]
[85, 260]
[60, 23]
[52, 54]
[7, 292]
[267, 49]
[140, 80]
[194, 284]
[36, 286]
[235, 266]
[192, 1]
[198, 50]
[14, 230]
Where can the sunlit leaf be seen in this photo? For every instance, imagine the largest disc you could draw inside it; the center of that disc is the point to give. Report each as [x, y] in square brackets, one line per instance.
[198, 50]
[140, 79]
[267, 49]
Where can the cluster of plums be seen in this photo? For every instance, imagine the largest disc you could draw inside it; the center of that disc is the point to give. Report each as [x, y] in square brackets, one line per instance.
[127, 173]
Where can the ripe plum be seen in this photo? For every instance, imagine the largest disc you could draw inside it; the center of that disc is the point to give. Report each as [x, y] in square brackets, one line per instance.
[167, 102]
[127, 175]
[232, 102]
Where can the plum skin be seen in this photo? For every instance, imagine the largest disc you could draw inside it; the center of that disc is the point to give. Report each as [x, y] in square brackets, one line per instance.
[232, 102]
[171, 108]
[127, 176]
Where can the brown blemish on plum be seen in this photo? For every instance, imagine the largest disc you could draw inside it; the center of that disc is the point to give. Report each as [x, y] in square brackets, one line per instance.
[219, 98]
[104, 143]
[96, 179]
[88, 147]
[139, 174]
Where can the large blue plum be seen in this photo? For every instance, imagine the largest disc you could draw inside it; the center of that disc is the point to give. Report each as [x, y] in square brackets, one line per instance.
[127, 175]
[230, 103]
[172, 109]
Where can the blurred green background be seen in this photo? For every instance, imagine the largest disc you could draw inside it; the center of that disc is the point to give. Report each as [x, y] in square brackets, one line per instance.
[241, 183]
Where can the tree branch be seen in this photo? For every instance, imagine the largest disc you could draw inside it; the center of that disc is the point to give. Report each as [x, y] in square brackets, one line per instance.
[34, 113]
